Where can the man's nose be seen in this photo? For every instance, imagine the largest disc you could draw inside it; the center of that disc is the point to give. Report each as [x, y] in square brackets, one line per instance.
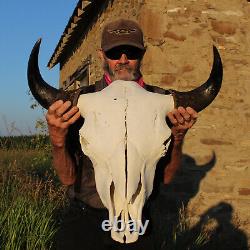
[123, 59]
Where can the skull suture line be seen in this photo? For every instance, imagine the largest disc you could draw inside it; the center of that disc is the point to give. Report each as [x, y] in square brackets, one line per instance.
[136, 136]
[124, 134]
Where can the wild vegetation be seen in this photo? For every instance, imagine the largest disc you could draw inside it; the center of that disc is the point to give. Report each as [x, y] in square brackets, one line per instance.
[30, 195]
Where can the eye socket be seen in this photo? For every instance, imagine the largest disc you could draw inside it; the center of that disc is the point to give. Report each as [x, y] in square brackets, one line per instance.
[132, 53]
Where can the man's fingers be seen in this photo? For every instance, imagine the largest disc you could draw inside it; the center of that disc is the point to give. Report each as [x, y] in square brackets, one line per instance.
[184, 113]
[55, 106]
[178, 116]
[73, 119]
[70, 113]
[59, 107]
[63, 108]
[59, 123]
[59, 115]
[192, 112]
[172, 118]
[183, 118]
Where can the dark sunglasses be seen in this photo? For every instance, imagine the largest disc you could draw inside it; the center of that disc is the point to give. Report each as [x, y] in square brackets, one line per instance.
[132, 53]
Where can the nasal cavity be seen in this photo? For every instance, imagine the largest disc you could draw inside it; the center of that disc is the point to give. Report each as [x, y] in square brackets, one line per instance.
[112, 191]
[137, 192]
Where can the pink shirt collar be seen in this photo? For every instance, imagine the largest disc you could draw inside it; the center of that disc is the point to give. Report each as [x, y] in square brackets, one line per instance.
[107, 78]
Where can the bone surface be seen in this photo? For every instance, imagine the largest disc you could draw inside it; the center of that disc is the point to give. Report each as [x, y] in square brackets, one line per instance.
[124, 135]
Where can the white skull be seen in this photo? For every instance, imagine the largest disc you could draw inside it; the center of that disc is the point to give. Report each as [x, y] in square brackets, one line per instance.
[124, 135]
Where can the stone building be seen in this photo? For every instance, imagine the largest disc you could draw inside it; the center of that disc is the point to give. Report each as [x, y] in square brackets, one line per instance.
[179, 36]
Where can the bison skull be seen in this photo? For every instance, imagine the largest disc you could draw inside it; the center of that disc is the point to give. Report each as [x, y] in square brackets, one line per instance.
[124, 135]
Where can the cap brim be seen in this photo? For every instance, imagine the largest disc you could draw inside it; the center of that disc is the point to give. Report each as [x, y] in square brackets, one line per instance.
[120, 43]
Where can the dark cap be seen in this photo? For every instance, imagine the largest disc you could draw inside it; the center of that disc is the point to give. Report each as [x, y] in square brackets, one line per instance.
[122, 32]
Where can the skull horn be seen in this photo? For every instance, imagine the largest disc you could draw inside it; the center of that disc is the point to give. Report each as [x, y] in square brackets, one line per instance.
[201, 97]
[43, 92]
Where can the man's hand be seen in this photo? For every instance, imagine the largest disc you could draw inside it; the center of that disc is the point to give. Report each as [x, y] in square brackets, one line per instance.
[59, 117]
[182, 120]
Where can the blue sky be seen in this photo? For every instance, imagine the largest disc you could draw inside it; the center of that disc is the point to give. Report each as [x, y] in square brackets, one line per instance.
[22, 23]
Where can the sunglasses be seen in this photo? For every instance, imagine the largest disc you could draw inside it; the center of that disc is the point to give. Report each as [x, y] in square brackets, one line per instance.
[132, 53]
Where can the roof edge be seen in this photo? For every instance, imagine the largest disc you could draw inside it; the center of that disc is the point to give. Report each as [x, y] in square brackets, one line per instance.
[79, 12]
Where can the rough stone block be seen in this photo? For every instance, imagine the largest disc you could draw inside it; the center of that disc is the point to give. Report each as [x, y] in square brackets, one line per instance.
[174, 36]
[244, 191]
[223, 27]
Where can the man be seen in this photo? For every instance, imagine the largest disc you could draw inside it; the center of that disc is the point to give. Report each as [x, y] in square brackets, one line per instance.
[122, 50]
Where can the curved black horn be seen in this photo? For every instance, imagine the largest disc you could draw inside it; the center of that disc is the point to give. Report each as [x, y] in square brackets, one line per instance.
[42, 91]
[201, 97]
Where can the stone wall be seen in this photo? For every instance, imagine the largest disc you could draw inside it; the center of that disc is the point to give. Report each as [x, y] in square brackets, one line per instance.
[179, 36]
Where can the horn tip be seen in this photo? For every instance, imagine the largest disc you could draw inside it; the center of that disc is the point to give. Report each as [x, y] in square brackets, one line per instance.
[215, 50]
[39, 40]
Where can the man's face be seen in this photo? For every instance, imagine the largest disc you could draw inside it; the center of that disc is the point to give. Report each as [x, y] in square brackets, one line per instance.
[123, 63]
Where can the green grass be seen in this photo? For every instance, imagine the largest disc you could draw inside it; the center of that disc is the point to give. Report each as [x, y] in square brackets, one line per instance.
[30, 199]
[38, 141]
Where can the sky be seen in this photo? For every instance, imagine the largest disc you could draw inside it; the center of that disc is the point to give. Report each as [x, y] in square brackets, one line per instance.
[22, 23]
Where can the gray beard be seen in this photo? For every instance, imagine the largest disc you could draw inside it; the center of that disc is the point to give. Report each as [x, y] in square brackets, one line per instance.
[132, 75]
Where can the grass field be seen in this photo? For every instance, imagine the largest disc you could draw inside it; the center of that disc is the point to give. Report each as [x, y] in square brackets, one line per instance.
[30, 194]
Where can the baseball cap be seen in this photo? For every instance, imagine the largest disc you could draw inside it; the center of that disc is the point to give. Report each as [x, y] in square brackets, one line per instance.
[122, 32]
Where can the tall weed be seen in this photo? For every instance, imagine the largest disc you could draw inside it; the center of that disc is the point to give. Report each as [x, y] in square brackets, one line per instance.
[29, 200]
